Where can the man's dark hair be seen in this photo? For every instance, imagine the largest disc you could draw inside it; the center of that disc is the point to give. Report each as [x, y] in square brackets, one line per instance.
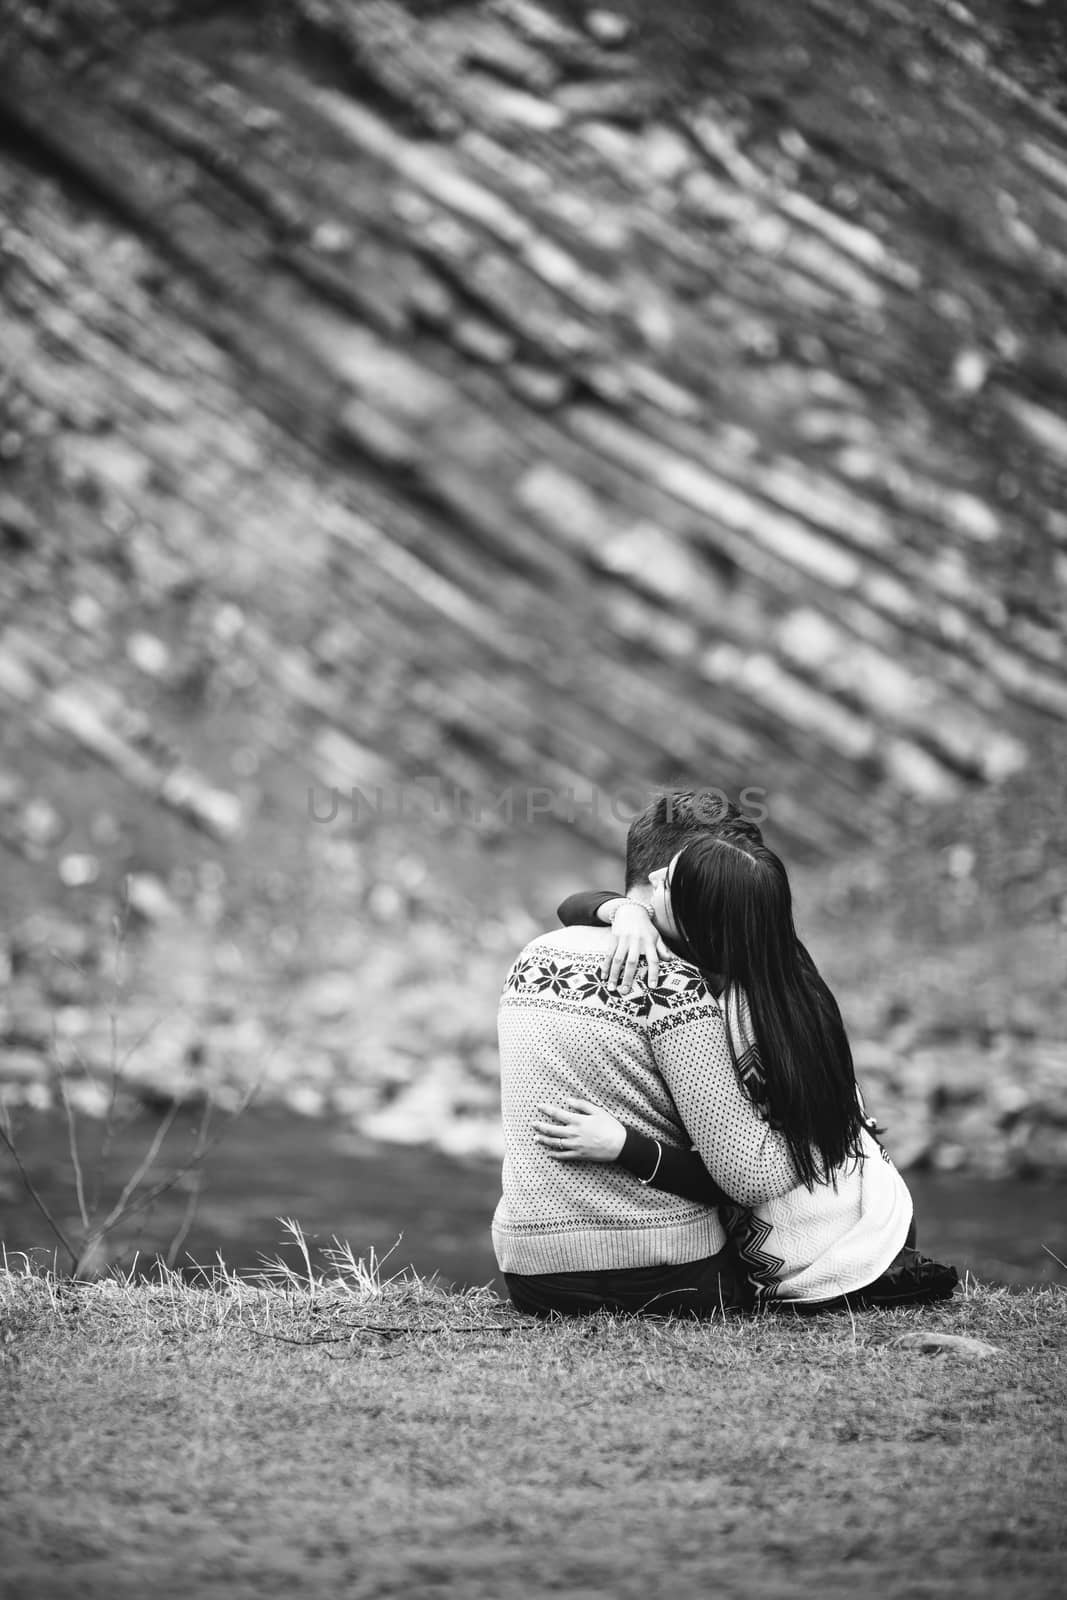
[673, 820]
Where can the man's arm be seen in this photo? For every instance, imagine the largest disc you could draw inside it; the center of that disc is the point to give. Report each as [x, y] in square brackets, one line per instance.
[748, 1158]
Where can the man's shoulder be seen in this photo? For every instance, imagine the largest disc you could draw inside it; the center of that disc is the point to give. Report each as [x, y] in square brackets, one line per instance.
[576, 950]
[571, 941]
[564, 965]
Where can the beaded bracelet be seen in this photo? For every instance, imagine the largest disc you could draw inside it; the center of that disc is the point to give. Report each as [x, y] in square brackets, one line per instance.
[625, 900]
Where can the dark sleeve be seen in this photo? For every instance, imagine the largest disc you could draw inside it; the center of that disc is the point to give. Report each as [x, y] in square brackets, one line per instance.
[680, 1172]
[580, 910]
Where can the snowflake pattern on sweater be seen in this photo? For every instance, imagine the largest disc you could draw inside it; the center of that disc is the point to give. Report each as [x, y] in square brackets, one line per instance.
[573, 980]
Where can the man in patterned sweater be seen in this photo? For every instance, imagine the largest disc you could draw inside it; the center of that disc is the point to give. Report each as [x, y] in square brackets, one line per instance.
[576, 1237]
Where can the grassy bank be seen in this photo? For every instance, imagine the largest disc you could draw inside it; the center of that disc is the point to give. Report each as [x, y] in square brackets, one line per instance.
[345, 1436]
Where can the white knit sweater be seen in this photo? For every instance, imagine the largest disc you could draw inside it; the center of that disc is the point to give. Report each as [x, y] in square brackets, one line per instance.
[659, 1060]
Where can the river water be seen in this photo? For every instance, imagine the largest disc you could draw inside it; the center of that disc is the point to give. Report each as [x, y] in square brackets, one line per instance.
[424, 1209]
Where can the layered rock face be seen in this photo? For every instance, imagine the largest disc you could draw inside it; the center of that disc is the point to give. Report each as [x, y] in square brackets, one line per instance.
[496, 409]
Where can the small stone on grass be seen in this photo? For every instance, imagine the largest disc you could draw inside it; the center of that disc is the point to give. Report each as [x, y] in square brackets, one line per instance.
[934, 1344]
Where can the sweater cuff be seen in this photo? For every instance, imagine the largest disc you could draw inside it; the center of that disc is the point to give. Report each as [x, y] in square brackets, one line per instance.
[639, 1155]
[580, 910]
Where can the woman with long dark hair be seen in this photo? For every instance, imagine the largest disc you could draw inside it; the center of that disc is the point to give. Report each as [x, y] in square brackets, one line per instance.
[724, 905]
[731, 904]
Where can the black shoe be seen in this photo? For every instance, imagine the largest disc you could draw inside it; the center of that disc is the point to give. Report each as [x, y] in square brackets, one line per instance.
[911, 1280]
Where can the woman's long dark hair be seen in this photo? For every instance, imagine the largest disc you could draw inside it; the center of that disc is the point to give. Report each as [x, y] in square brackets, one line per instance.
[733, 907]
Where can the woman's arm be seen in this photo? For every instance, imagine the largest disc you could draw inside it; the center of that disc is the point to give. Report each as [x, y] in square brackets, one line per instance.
[664, 1166]
[739, 1148]
[583, 1132]
[636, 939]
[580, 910]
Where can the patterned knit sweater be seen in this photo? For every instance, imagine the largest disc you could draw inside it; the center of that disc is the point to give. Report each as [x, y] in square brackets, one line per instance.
[659, 1060]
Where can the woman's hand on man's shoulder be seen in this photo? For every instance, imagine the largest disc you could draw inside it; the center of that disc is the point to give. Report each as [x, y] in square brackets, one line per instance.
[635, 939]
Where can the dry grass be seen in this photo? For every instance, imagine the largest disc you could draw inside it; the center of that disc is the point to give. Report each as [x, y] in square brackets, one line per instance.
[331, 1432]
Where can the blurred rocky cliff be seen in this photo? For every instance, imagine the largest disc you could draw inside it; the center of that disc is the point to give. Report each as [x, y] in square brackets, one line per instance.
[497, 408]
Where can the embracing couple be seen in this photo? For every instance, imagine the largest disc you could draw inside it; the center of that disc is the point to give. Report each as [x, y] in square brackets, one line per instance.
[683, 1129]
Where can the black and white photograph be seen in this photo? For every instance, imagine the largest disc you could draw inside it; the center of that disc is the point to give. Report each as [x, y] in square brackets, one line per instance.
[533, 799]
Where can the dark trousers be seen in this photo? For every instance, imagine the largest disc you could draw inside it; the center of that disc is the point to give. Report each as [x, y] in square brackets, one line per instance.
[706, 1288]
